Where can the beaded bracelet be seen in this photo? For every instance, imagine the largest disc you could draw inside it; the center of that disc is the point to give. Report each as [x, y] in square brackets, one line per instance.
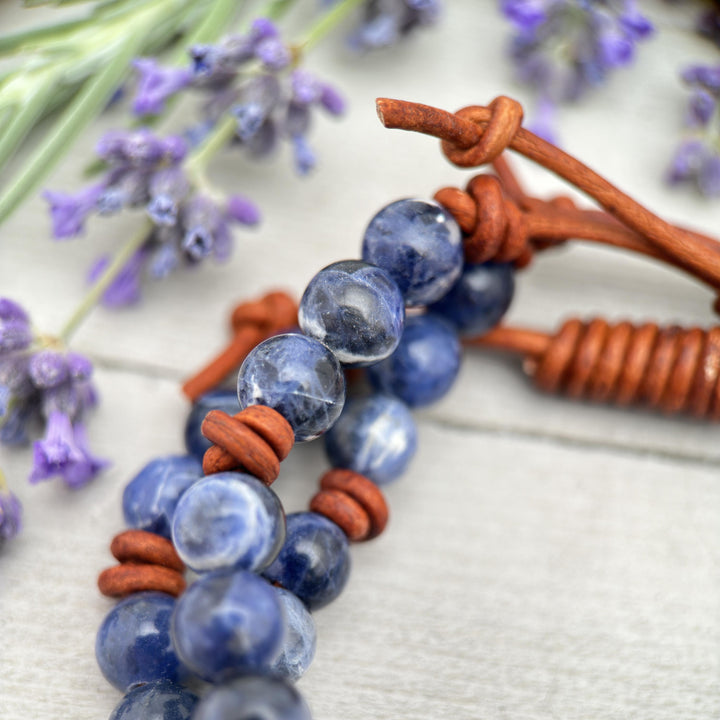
[245, 623]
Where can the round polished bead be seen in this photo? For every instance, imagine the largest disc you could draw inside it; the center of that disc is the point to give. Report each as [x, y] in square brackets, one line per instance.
[298, 649]
[314, 562]
[228, 520]
[374, 436]
[133, 643]
[419, 244]
[299, 377]
[228, 623]
[355, 309]
[425, 364]
[479, 299]
[253, 698]
[160, 700]
[149, 499]
[226, 400]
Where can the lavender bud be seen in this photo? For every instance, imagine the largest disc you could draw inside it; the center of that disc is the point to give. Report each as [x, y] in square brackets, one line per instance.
[48, 369]
[69, 212]
[273, 53]
[79, 366]
[197, 243]
[125, 288]
[265, 140]
[331, 100]
[303, 155]
[14, 335]
[306, 88]
[10, 310]
[174, 148]
[700, 109]
[164, 261]
[709, 177]
[242, 210]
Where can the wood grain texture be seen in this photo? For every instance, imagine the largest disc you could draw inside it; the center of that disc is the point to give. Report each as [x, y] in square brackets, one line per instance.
[545, 559]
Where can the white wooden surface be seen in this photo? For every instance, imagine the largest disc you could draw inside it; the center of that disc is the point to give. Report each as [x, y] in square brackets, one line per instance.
[544, 560]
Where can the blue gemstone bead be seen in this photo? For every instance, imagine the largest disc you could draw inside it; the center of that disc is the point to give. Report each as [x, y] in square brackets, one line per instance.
[160, 700]
[253, 698]
[314, 562]
[298, 648]
[419, 244]
[228, 623]
[133, 643]
[425, 364]
[226, 400]
[479, 299]
[297, 376]
[355, 309]
[228, 520]
[374, 436]
[149, 499]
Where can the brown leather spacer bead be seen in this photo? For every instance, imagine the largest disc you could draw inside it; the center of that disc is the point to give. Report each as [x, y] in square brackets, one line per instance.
[140, 546]
[128, 578]
[345, 512]
[365, 492]
[256, 440]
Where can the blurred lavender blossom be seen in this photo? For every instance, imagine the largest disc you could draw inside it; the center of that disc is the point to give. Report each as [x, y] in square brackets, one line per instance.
[146, 172]
[53, 386]
[697, 158]
[251, 77]
[564, 48]
[385, 22]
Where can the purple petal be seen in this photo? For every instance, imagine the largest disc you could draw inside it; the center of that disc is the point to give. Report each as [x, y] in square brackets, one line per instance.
[263, 28]
[687, 161]
[69, 212]
[156, 84]
[242, 210]
[525, 14]
[164, 261]
[125, 289]
[306, 88]
[544, 124]
[635, 22]
[303, 155]
[57, 451]
[700, 108]
[81, 472]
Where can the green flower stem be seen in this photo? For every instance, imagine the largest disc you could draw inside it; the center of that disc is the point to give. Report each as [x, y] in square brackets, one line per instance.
[328, 22]
[217, 139]
[98, 288]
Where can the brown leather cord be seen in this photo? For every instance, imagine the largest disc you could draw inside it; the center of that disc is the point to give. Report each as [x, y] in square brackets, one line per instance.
[671, 369]
[477, 135]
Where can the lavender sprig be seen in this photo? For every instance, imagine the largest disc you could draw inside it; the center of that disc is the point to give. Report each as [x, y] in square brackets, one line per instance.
[40, 381]
[565, 48]
[254, 97]
[697, 159]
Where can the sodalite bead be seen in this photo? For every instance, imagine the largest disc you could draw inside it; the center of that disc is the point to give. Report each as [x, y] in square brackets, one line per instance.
[425, 364]
[228, 520]
[226, 400]
[374, 436]
[253, 698]
[133, 643]
[298, 648]
[228, 623]
[149, 499]
[299, 377]
[355, 309]
[480, 297]
[161, 700]
[419, 244]
[314, 562]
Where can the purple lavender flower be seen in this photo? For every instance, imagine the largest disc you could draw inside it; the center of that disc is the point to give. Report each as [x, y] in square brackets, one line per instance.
[696, 160]
[39, 383]
[242, 210]
[156, 84]
[10, 513]
[384, 22]
[564, 48]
